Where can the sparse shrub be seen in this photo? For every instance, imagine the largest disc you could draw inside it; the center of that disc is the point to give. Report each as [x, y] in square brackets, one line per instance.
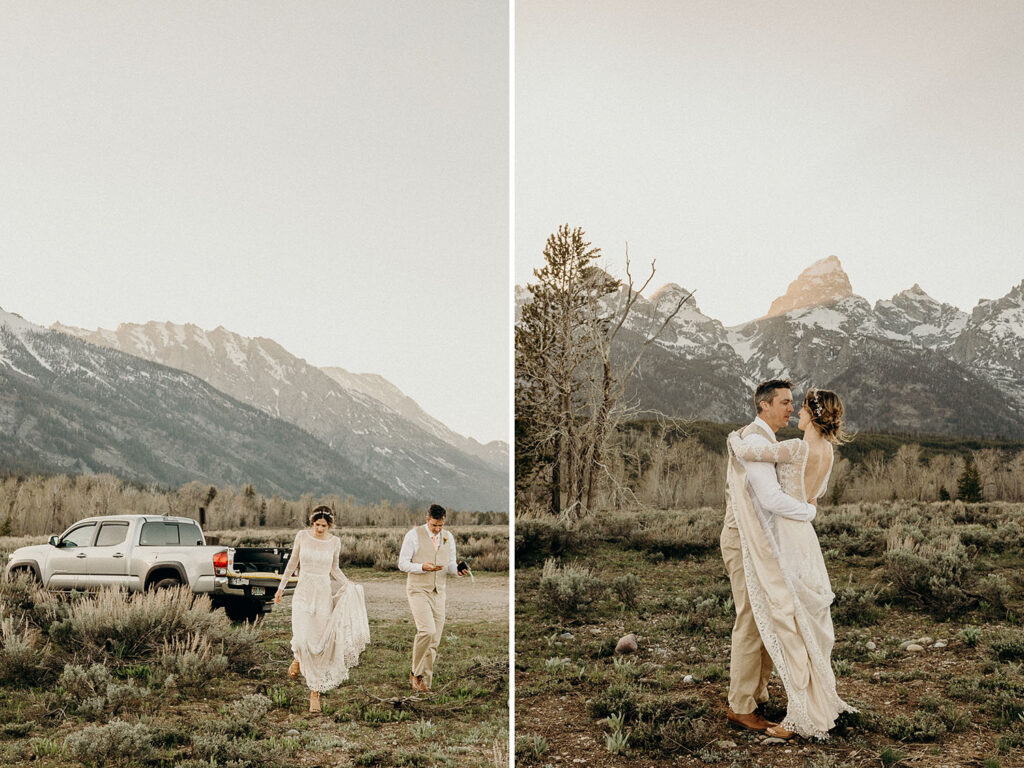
[139, 626]
[921, 726]
[22, 655]
[114, 744]
[620, 698]
[421, 729]
[996, 592]
[1008, 646]
[569, 589]
[626, 588]
[891, 756]
[970, 636]
[538, 538]
[191, 663]
[856, 607]
[932, 575]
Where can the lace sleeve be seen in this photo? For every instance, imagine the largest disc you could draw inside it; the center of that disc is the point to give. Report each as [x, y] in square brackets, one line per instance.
[336, 565]
[774, 452]
[293, 564]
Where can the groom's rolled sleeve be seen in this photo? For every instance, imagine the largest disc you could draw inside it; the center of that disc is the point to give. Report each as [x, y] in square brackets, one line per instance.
[405, 563]
[453, 563]
[765, 485]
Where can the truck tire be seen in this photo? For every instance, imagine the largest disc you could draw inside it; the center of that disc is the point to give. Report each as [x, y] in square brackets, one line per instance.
[244, 610]
[25, 572]
[168, 582]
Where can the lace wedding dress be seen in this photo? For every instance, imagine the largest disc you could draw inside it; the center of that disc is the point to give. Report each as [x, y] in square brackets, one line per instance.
[789, 588]
[329, 629]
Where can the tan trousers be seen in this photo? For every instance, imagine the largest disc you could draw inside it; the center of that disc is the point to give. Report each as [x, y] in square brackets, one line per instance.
[750, 666]
[428, 613]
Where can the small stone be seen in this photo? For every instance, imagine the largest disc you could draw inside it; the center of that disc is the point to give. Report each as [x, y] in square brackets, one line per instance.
[877, 676]
[627, 644]
[905, 643]
[914, 648]
[726, 744]
[773, 740]
[693, 649]
[595, 631]
[688, 679]
[870, 645]
[940, 644]
[567, 636]
[925, 640]
[291, 732]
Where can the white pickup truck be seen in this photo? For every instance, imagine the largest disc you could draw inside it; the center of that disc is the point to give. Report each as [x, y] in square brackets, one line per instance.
[140, 552]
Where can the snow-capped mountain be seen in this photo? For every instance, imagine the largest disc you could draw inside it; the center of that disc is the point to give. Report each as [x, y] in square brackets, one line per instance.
[821, 283]
[494, 453]
[362, 417]
[908, 363]
[68, 406]
[916, 317]
[993, 342]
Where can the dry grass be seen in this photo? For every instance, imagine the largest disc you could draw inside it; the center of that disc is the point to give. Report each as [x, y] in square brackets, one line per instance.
[954, 706]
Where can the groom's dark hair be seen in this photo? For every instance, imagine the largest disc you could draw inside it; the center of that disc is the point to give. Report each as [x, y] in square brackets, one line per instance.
[437, 512]
[765, 391]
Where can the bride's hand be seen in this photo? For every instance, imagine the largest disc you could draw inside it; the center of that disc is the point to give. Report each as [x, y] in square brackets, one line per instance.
[277, 599]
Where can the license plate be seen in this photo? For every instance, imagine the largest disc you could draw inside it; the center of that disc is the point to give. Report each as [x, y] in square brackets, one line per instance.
[258, 591]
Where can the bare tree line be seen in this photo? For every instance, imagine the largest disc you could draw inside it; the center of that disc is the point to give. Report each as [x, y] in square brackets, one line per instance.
[37, 505]
[646, 468]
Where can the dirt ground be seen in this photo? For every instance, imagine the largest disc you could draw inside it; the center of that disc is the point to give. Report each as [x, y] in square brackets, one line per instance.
[486, 599]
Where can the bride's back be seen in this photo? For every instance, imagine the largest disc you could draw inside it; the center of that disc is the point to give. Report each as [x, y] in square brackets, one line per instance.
[817, 468]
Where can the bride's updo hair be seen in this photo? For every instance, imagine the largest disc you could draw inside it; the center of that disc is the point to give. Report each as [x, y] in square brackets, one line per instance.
[827, 414]
[323, 512]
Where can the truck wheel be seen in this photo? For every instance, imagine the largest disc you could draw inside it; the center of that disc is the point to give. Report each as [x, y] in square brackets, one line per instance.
[26, 573]
[170, 582]
[248, 610]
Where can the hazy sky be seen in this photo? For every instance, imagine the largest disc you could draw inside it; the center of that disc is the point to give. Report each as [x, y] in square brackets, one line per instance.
[738, 142]
[331, 175]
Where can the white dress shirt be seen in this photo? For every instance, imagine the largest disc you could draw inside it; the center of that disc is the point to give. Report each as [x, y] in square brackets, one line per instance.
[763, 481]
[411, 543]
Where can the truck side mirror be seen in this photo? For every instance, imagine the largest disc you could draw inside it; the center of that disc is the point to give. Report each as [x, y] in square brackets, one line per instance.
[53, 541]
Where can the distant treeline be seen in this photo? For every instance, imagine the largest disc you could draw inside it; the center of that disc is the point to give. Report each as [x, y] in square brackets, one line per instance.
[33, 505]
[681, 465]
[864, 444]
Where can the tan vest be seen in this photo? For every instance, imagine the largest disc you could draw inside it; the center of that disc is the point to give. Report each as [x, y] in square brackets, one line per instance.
[730, 518]
[425, 554]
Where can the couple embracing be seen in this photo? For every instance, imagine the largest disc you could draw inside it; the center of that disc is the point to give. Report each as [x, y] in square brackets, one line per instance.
[330, 627]
[779, 582]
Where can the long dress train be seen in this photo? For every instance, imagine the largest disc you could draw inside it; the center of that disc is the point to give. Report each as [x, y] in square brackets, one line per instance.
[329, 629]
[789, 589]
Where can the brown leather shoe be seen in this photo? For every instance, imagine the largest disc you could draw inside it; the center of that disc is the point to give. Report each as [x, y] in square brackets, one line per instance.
[778, 732]
[417, 683]
[752, 721]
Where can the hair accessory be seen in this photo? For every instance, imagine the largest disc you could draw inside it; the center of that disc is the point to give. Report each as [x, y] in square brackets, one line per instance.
[815, 404]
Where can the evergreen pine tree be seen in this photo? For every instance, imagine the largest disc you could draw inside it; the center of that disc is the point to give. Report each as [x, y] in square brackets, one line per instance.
[968, 487]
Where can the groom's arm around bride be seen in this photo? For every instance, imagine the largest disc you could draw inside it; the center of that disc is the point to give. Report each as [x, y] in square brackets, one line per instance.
[750, 666]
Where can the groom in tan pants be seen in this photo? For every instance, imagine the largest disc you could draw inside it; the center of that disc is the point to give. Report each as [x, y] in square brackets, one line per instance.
[750, 666]
[427, 556]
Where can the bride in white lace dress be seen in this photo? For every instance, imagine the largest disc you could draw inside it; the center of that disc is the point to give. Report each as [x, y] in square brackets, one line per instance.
[787, 581]
[329, 628]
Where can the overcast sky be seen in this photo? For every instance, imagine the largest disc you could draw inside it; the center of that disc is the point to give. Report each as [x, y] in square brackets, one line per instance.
[738, 142]
[331, 175]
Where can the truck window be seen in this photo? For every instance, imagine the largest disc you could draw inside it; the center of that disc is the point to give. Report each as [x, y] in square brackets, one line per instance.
[170, 535]
[111, 534]
[80, 536]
